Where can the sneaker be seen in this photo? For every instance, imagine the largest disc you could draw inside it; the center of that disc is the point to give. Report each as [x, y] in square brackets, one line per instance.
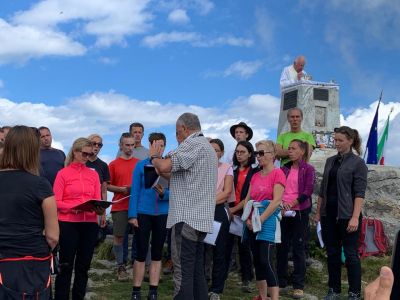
[122, 275]
[246, 287]
[354, 296]
[168, 267]
[213, 296]
[297, 294]
[136, 295]
[332, 295]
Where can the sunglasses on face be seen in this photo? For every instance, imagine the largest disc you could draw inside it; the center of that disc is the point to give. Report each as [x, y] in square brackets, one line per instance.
[261, 153]
[97, 144]
[86, 154]
[240, 152]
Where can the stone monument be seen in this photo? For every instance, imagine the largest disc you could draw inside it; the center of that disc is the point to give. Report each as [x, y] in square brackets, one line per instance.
[319, 102]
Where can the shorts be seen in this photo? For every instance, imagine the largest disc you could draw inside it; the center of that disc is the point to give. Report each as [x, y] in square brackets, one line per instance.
[120, 222]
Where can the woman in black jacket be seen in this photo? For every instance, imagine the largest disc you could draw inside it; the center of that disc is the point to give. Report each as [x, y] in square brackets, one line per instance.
[243, 169]
[339, 209]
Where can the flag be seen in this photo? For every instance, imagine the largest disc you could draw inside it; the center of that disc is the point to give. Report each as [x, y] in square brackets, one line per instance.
[382, 141]
[372, 143]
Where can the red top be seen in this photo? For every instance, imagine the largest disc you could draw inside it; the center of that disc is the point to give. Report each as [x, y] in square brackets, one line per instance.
[74, 185]
[242, 174]
[121, 171]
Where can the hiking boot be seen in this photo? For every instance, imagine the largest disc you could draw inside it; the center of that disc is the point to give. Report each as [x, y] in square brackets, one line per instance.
[332, 295]
[122, 275]
[213, 296]
[246, 287]
[136, 295]
[168, 267]
[354, 296]
[297, 294]
[152, 296]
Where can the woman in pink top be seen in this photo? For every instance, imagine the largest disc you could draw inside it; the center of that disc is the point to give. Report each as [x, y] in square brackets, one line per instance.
[225, 194]
[74, 185]
[296, 199]
[266, 190]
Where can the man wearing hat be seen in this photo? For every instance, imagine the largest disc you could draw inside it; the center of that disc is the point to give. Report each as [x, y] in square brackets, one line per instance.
[240, 132]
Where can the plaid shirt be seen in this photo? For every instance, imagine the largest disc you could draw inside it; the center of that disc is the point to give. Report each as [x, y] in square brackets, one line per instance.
[193, 184]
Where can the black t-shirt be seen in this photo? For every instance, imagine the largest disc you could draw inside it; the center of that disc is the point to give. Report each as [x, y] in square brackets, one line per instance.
[21, 215]
[101, 168]
[51, 161]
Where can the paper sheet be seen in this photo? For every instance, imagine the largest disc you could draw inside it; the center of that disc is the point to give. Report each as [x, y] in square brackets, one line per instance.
[319, 234]
[212, 237]
[290, 213]
[236, 226]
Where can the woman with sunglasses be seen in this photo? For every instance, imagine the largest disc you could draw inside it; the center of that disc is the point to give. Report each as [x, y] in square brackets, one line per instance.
[261, 214]
[74, 185]
[340, 200]
[243, 169]
[296, 203]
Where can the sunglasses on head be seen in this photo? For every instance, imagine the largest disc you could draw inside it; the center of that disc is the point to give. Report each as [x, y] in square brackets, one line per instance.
[86, 154]
[97, 144]
[344, 130]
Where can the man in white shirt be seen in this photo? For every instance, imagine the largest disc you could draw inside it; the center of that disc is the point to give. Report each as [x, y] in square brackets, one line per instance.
[293, 73]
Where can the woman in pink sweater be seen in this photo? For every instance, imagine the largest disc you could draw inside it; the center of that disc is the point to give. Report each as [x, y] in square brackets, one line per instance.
[74, 185]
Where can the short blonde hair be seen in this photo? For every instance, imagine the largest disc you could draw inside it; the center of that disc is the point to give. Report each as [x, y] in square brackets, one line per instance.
[95, 135]
[77, 146]
[267, 143]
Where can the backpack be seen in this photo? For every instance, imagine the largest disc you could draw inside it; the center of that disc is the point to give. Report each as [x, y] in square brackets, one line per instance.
[372, 239]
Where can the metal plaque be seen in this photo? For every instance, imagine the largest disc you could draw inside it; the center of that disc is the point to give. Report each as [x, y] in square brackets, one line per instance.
[321, 94]
[290, 99]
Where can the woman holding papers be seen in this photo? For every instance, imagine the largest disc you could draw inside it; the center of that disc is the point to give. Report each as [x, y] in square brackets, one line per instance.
[339, 209]
[261, 214]
[243, 169]
[74, 185]
[224, 195]
[148, 211]
[28, 219]
[296, 203]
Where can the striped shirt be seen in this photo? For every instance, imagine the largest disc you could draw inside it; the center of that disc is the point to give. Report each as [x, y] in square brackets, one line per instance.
[193, 184]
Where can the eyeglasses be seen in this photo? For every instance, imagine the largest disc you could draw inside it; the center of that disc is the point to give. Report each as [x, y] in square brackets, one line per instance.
[261, 153]
[86, 154]
[240, 152]
[97, 144]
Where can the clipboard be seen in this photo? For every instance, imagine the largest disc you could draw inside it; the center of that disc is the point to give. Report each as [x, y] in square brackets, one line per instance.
[91, 204]
[150, 176]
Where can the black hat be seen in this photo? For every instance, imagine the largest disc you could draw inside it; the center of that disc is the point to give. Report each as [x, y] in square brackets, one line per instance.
[244, 125]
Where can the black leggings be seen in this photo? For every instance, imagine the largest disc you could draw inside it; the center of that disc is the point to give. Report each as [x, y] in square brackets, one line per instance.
[262, 252]
[156, 225]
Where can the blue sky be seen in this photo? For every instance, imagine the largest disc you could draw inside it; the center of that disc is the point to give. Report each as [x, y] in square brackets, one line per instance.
[96, 66]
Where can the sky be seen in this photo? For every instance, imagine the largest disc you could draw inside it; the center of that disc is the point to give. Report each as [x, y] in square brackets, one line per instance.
[95, 66]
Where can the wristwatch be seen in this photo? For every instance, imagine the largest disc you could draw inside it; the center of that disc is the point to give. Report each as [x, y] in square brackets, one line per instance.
[153, 157]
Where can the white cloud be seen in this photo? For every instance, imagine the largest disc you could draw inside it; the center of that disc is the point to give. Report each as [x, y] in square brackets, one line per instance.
[193, 38]
[243, 69]
[361, 119]
[178, 16]
[56, 27]
[20, 43]
[110, 114]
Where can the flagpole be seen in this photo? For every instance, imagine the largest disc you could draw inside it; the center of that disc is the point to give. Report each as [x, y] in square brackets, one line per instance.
[377, 108]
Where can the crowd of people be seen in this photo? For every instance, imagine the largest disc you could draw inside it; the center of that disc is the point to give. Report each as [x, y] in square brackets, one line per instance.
[264, 192]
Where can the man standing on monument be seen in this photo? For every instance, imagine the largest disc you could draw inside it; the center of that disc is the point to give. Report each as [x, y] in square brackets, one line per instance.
[294, 117]
[293, 73]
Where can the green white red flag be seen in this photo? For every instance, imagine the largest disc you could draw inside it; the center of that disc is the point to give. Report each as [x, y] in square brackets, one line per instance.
[382, 141]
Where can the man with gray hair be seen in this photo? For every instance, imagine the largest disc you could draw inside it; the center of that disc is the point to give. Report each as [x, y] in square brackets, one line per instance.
[192, 168]
[293, 73]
